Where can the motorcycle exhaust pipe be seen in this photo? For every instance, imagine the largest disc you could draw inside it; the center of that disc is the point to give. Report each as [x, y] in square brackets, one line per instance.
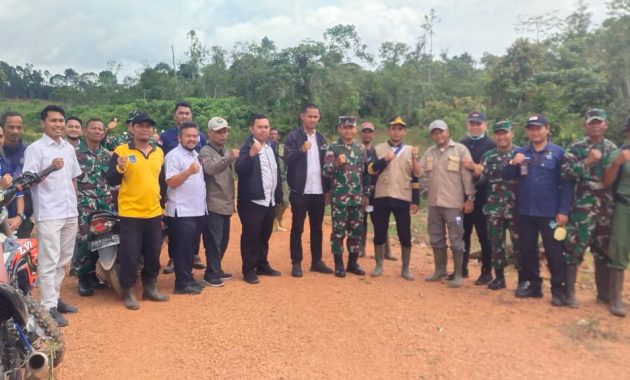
[37, 365]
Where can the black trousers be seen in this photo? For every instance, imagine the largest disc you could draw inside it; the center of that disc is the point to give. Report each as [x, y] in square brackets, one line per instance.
[529, 227]
[139, 237]
[257, 224]
[477, 220]
[313, 205]
[216, 235]
[184, 233]
[171, 245]
[383, 208]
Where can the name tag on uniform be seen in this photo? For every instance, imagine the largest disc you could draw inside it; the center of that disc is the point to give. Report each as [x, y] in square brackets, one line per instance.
[132, 158]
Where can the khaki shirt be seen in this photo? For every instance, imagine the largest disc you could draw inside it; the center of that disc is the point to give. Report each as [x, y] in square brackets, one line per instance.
[219, 179]
[449, 181]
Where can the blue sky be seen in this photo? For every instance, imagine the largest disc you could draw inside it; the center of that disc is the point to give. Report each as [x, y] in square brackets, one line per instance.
[85, 35]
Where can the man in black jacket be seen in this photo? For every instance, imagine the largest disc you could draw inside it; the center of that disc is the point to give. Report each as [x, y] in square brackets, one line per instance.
[258, 191]
[304, 150]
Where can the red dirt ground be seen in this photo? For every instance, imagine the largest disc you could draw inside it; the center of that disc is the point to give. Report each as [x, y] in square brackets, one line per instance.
[320, 326]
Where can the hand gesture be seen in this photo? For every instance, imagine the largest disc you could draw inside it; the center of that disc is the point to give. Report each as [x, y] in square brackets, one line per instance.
[389, 156]
[57, 163]
[6, 181]
[234, 154]
[594, 155]
[193, 168]
[256, 148]
[478, 170]
[341, 159]
[112, 124]
[562, 219]
[468, 207]
[306, 146]
[122, 162]
[518, 159]
[414, 209]
[415, 151]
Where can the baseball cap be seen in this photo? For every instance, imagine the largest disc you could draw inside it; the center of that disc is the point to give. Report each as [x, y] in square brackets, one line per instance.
[536, 120]
[132, 114]
[367, 125]
[478, 117]
[142, 117]
[397, 120]
[217, 124]
[438, 124]
[347, 120]
[504, 125]
[595, 114]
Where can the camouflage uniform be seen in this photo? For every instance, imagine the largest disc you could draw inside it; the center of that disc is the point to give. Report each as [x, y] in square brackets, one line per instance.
[112, 142]
[500, 206]
[591, 211]
[349, 184]
[93, 194]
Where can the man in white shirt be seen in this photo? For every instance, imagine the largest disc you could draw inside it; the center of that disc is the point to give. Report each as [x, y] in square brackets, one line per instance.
[55, 208]
[186, 205]
[304, 150]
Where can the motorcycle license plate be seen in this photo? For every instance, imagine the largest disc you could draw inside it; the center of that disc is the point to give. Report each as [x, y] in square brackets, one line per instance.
[104, 242]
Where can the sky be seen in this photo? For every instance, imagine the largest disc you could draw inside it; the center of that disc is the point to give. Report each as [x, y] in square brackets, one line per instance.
[85, 35]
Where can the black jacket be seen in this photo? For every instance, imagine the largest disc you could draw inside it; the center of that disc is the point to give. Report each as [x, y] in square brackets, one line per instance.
[477, 148]
[250, 185]
[296, 161]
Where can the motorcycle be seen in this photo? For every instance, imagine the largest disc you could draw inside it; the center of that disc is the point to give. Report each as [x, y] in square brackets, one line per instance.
[31, 343]
[104, 237]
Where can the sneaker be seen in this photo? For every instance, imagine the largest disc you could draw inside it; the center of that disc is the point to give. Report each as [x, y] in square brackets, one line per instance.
[189, 289]
[296, 270]
[225, 276]
[214, 282]
[484, 278]
[57, 317]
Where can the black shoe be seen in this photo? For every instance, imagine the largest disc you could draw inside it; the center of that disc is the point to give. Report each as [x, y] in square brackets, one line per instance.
[339, 271]
[484, 278]
[188, 289]
[355, 269]
[65, 308]
[296, 270]
[197, 263]
[251, 278]
[225, 276]
[169, 268]
[267, 270]
[526, 289]
[215, 282]
[57, 317]
[497, 283]
[95, 282]
[85, 286]
[558, 300]
[320, 267]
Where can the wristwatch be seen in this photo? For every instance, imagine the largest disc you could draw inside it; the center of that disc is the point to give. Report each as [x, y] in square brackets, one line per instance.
[470, 198]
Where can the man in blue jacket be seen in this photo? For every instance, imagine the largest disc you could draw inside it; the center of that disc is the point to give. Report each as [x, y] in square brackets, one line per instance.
[258, 192]
[304, 150]
[543, 203]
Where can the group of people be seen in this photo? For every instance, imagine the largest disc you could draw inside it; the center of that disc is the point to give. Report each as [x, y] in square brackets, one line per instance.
[185, 179]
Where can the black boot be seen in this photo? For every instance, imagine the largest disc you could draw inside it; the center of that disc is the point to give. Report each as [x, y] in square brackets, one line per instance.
[339, 271]
[96, 282]
[150, 291]
[485, 277]
[602, 282]
[353, 265]
[499, 281]
[569, 284]
[85, 286]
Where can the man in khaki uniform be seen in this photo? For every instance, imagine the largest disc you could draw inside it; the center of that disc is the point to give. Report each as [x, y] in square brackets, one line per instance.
[451, 191]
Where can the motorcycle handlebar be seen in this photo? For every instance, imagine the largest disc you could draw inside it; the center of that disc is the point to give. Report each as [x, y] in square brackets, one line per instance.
[24, 181]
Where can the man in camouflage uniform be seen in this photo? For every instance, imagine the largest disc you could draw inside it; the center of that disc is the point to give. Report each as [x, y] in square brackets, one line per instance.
[501, 202]
[591, 211]
[93, 193]
[281, 207]
[344, 166]
[112, 142]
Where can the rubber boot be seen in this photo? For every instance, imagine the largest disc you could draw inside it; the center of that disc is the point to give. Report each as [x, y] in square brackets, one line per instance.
[616, 289]
[339, 271]
[379, 254]
[440, 258]
[569, 284]
[129, 298]
[85, 286]
[458, 258]
[602, 282]
[388, 251]
[406, 259]
[150, 291]
[353, 265]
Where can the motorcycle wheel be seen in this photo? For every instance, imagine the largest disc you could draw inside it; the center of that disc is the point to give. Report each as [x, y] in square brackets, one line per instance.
[55, 348]
[110, 276]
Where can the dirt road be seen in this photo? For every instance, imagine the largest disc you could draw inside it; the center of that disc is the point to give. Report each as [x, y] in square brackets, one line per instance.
[320, 326]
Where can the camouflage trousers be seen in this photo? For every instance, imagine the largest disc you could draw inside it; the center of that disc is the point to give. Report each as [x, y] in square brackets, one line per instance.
[587, 228]
[497, 228]
[346, 219]
[83, 260]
